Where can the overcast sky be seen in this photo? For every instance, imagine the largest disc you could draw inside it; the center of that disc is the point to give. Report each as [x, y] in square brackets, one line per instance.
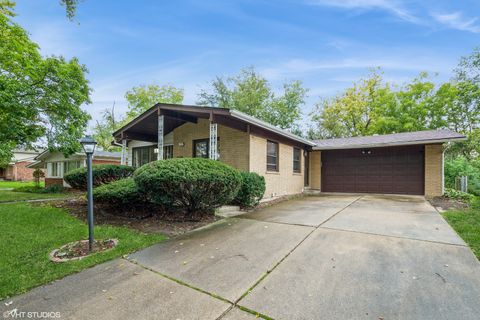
[326, 44]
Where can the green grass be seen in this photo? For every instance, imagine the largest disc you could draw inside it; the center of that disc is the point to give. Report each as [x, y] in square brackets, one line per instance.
[16, 184]
[9, 195]
[467, 224]
[28, 233]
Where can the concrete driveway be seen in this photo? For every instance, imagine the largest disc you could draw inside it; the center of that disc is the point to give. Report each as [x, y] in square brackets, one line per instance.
[325, 257]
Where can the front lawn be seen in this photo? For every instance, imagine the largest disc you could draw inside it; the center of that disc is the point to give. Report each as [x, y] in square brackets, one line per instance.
[466, 223]
[9, 195]
[28, 232]
[17, 184]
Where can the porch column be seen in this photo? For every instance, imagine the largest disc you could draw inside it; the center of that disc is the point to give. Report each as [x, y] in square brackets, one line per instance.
[160, 137]
[212, 151]
[123, 160]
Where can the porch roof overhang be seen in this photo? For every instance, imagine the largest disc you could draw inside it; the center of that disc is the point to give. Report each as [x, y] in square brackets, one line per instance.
[145, 126]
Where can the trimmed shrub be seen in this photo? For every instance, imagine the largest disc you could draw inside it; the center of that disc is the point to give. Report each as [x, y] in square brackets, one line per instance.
[188, 185]
[122, 192]
[251, 190]
[102, 174]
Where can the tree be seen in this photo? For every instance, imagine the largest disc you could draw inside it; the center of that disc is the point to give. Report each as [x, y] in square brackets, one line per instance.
[103, 129]
[359, 110]
[70, 7]
[252, 94]
[39, 97]
[142, 98]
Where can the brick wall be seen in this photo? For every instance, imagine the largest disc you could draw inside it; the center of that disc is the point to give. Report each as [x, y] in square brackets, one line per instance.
[433, 170]
[280, 183]
[53, 181]
[94, 162]
[19, 172]
[315, 165]
[233, 144]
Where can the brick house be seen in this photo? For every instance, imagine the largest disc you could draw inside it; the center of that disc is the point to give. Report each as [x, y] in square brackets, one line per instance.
[405, 163]
[17, 169]
[56, 165]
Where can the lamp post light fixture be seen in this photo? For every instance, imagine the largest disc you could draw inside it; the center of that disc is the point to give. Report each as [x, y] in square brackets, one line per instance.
[89, 144]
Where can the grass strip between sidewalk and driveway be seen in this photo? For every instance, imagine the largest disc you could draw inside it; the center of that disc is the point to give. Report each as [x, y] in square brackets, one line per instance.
[28, 233]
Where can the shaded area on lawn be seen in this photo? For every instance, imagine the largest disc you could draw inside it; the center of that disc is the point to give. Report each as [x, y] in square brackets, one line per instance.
[29, 232]
[10, 195]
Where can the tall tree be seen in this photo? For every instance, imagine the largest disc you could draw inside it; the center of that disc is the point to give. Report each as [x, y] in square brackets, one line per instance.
[103, 129]
[143, 97]
[252, 94]
[39, 97]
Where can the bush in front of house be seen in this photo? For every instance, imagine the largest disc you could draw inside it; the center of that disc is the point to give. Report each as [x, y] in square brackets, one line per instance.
[35, 189]
[102, 174]
[251, 190]
[118, 193]
[190, 186]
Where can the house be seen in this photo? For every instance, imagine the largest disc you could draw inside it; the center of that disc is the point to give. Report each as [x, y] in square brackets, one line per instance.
[17, 169]
[57, 165]
[405, 163]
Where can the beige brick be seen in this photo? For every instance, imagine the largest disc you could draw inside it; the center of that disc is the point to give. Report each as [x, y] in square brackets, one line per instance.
[283, 182]
[233, 144]
[315, 167]
[433, 170]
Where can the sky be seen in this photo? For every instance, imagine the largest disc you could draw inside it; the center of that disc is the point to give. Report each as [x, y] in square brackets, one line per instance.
[326, 44]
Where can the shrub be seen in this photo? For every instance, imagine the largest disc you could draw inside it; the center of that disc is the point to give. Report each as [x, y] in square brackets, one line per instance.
[188, 185]
[461, 166]
[122, 192]
[458, 195]
[102, 174]
[251, 190]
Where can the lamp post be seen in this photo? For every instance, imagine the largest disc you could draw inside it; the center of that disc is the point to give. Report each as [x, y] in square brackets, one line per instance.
[88, 144]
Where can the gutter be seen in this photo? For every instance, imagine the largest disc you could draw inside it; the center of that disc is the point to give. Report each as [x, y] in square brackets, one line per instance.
[392, 144]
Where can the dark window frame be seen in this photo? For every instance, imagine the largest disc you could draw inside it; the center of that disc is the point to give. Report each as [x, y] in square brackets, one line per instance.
[151, 154]
[273, 167]
[194, 145]
[297, 161]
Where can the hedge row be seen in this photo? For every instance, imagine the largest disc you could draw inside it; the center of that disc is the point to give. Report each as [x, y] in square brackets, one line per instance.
[102, 174]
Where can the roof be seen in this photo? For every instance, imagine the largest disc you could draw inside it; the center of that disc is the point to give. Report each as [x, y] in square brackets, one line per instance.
[395, 139]
[221, 111]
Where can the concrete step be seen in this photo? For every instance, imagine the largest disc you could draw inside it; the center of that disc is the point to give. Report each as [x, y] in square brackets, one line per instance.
[229, 211]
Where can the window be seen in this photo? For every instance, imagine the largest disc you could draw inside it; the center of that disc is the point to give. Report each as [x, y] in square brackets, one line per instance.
[272, 156]
[168, 152]
[297, 160]
[200, 148]
[54, 169]
[143, 155]
[71, 165]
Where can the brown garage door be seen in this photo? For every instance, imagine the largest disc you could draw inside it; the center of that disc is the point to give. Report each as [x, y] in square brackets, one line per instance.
[397, 170]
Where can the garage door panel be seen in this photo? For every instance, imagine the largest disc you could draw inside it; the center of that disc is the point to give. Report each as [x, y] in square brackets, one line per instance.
[382, 170]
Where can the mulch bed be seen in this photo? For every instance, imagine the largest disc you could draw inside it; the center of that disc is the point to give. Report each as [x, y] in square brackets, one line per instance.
[79, 249]
[448, 204]
[147, 219]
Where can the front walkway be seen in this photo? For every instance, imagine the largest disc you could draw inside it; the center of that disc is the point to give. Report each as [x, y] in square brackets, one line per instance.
[327, 257]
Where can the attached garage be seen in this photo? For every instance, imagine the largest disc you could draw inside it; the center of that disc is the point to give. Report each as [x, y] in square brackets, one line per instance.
[397, 170]
[402, 163]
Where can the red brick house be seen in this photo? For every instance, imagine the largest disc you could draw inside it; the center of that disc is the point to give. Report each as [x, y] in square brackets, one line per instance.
[17, 169]
[56, 165]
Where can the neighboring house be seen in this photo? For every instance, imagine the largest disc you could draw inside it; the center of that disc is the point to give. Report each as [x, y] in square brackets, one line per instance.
[405, 163]
[57, 165]
[17, 169]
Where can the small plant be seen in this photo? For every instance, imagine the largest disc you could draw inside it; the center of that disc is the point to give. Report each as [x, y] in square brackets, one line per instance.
[102, 174]
[35, 189]
[190, 186]
[458, 195]
[37, 175]
[251, 190]
[122, 192]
